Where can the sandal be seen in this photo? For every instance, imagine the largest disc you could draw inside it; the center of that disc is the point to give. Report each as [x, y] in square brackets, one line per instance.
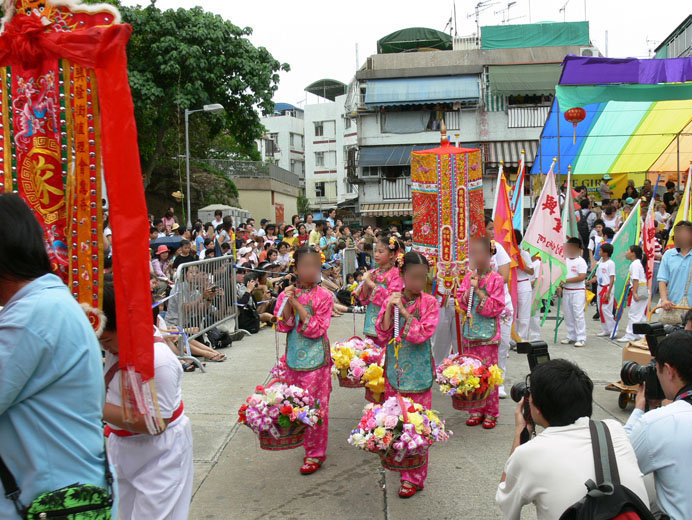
[475, 419]
[217, 358]
[489, 423]
[189, 367]
[407, 490]
[310, 465]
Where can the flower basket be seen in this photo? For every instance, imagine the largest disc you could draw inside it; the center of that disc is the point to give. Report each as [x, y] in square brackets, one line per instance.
[286, 438]
[400, 432]
[279, 414]
[372, 397]
[407, 463]
[346, 382]
[468, 380]
[472, 401]
[351, 359]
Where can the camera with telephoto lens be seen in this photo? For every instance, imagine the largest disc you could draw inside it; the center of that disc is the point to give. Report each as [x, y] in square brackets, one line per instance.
[633, 374]
[536, 353]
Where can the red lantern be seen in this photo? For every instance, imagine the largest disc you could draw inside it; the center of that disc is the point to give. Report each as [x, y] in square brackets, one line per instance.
[575, 116]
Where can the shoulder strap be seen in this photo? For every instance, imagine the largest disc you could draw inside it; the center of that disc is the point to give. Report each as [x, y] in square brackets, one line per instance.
[607, 474]
[12, 491]
[687, 286]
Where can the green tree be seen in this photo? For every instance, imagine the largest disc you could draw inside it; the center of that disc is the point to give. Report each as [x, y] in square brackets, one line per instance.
[187, 58]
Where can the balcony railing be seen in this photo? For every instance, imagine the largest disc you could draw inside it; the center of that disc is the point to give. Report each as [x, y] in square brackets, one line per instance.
[255, 170]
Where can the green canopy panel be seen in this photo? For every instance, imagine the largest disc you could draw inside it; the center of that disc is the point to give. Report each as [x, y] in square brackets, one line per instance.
[570, 96]
[535, 35]
[414, 38]
[327, 88]
[512, 80]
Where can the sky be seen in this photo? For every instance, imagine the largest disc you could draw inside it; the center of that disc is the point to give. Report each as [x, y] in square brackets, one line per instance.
[318, 39]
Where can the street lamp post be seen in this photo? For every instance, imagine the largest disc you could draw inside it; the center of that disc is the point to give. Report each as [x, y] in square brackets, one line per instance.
[214, 108]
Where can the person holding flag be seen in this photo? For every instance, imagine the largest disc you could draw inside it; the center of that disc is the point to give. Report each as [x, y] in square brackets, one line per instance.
[506, 260]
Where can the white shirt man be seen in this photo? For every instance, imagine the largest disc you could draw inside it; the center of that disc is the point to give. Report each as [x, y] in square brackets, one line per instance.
[574, 300]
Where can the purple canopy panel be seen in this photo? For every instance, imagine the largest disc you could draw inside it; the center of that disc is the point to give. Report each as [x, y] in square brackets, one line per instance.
[578, 70]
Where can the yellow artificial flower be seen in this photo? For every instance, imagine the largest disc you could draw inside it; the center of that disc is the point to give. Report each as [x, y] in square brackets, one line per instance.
[445, 388]
[452, 371]
[380, 432]
[374, 378]
[342, 357]
[496, 376]
[417, 420]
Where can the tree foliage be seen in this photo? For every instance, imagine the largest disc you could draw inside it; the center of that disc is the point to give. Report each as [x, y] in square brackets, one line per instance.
[184, 59]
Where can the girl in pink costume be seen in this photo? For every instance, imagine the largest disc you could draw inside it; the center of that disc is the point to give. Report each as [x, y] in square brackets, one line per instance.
[481, 331]
[378, 283]
[305, 318]
[412, 374]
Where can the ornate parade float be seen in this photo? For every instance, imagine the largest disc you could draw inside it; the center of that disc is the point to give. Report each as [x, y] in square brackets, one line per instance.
[68, 139]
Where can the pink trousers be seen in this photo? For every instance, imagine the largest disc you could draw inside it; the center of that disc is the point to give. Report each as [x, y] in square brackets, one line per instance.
[319, 384]
[417, 476]
[487, 353]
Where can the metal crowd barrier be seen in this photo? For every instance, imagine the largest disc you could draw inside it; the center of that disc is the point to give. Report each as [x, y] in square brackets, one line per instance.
[205, 297]
[350, 262]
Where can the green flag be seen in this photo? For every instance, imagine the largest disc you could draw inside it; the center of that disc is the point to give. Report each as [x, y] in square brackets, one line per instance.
[627, 236]
[569, 218]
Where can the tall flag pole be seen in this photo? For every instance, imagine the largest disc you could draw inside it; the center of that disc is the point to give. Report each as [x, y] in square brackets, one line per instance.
[504, 235]
[500, 176]
[569, 218]
[546, 235]
[627, 235]
[517, 197]
[649, 240]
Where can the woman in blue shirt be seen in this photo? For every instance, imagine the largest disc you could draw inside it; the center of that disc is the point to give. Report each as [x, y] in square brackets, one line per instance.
[51, 390]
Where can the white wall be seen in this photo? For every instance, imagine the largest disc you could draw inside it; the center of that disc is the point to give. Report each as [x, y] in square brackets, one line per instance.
[331, 143]
[284, 126]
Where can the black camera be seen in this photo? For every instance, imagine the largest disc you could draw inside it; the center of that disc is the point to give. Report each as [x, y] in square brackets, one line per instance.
[536, 353]
[633, 373]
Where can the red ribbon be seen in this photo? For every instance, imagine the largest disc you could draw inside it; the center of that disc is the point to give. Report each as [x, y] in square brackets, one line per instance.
[25, 44]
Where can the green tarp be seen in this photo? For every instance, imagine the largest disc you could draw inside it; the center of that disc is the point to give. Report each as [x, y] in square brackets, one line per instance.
[534, 35]
[512, 80]
[414, 38]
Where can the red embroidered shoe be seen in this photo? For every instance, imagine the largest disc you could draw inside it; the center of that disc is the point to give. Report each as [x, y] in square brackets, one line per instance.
[310, 466]
[489, 423]
[474, 420]
[407, 490]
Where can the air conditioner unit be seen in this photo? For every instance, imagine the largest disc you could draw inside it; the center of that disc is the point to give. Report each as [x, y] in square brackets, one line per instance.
[588, 51]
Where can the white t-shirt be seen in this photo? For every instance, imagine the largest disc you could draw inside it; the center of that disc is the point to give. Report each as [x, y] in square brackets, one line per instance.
[604, 271]
[594, 240]
[501, 258]
[637, 272]
[523, 275]
[168, 375]
[611, 223]
[575, 267]
[551, 469]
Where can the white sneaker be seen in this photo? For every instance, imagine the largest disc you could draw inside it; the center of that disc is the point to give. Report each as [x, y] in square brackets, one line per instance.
[602, 334]
[501, 392]
[580, 344]
[568, 341]
[625, 339]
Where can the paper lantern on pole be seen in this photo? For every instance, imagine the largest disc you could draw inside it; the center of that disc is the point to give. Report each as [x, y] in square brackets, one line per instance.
[575, 116]
[447, 209]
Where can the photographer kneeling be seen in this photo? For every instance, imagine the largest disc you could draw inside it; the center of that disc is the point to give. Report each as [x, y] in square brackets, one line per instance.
[550, 470]
[662, 438]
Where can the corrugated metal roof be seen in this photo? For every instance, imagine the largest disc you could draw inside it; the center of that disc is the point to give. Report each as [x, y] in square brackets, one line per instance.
[395, 155]
[510, 151]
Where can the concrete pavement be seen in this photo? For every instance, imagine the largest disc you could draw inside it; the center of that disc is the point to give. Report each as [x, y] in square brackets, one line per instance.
[234, 479]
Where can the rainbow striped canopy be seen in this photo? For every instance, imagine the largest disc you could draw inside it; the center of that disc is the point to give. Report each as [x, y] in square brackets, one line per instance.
[638, 118]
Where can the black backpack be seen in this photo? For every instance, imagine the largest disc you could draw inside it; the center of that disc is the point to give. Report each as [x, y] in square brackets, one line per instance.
[583, 227]
[607, 498]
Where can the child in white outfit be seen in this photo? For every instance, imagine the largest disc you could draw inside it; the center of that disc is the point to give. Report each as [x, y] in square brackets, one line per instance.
[605, 274]
[573, 292]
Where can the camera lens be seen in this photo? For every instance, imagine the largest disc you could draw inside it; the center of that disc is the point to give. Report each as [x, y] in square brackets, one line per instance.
[519, 391]
[633, 373]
